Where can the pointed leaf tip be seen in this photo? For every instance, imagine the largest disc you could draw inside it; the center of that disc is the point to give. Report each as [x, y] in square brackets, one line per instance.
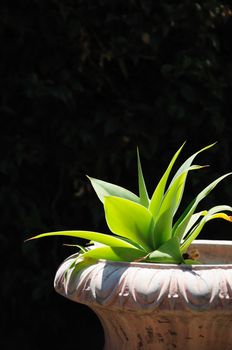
[143, 195]
[104, 189]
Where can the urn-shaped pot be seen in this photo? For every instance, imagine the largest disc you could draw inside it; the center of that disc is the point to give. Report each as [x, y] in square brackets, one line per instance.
[158, 306]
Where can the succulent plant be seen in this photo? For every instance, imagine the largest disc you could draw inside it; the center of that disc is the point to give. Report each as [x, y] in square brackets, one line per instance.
[147, 229]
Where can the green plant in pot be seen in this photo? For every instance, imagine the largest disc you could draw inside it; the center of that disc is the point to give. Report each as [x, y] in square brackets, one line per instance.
[150, 244]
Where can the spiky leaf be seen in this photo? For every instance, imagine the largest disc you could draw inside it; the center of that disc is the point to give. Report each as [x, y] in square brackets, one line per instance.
[213, 213]
[104, 189]
[114, 253]
[144, 199]
[179, 228]
[109, 240]
[189, 161]
[171, 200]
[130, 220]
[158, 194]
[169, 252]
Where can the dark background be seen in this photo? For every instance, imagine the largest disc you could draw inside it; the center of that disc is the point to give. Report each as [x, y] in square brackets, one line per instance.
[82, 84]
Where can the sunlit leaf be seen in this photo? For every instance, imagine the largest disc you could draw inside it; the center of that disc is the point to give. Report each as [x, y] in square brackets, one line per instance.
[157, 196]
[213, 213]
[216, 213]
[82, 249]
[104, 189]
[110, 240]
[130, 220]
[164, 219]
[186, 166]
[114, 253]
[192, 262]
[179, 228]
[144, 229]
[144, 199]
[221, 216]
[77, 264]
[194, 218]
[169, 252]
[189, 161]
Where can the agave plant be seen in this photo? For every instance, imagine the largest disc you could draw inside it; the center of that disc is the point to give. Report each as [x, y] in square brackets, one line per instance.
[146, 229]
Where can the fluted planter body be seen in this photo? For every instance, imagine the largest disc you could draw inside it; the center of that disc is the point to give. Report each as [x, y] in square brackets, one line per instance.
[158, 306]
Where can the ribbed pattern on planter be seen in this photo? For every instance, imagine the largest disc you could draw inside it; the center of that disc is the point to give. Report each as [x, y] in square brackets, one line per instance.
[155, 306]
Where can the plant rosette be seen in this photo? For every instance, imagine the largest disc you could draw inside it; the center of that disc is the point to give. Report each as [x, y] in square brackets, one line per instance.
[161, 283]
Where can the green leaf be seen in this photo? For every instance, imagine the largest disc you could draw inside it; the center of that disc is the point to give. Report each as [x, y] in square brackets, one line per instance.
[194, 218]
[78, 264]
[172, 198]
[188, 162]
[130, 220]
[89, 235]
[187, 166]
[157, 196]
[104, 189]
[169, 252]
[192, 262]
[179, 228]
[216, 212]
[144, 199]
[213, 213]
[82, 249]
[114, 253]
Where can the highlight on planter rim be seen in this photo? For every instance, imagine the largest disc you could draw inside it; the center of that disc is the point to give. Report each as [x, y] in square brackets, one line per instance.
[143, 228]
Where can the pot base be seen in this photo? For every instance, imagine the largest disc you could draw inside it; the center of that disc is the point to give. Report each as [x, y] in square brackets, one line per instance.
[170, 331]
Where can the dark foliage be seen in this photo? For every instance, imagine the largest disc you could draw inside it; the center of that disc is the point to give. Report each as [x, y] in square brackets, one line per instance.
[82, 83]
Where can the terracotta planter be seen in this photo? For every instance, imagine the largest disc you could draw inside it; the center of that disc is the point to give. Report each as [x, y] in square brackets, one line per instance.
[159, 306]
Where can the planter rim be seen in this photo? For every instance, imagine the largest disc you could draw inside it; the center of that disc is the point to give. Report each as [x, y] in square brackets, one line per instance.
[198, 242]
[146, 287]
